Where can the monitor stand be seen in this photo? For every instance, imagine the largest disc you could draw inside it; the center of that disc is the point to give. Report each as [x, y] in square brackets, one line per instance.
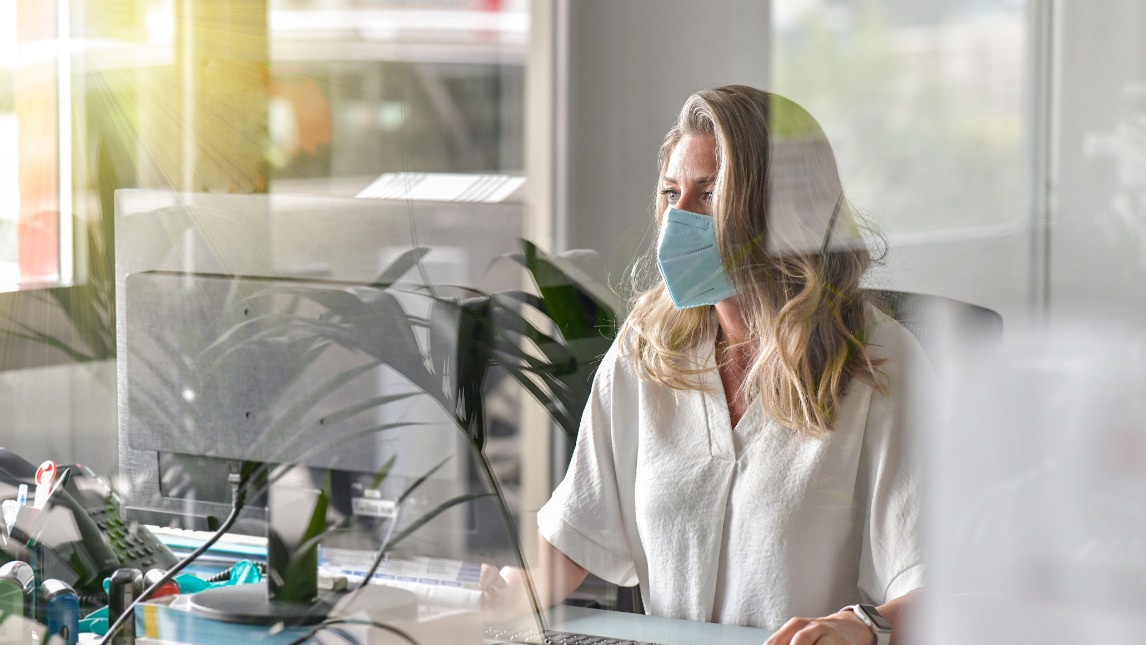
[296, 519]
[251, 604]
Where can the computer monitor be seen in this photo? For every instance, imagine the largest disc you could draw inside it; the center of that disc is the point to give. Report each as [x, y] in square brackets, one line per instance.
[231, 348]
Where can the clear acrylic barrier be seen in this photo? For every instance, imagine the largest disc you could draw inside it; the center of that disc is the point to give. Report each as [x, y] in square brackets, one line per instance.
[336, 335]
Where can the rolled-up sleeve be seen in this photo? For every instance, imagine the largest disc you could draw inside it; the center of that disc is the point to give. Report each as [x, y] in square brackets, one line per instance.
[892, 559]
[584, 519]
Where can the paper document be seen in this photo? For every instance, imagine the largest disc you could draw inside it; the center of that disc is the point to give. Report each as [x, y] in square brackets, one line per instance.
[445, 187]
[436, 581]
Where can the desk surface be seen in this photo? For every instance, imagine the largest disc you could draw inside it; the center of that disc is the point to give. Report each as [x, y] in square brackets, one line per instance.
[617, 624]
[666, 631]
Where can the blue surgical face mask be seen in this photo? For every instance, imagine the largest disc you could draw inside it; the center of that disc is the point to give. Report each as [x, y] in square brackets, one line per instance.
[690, 262]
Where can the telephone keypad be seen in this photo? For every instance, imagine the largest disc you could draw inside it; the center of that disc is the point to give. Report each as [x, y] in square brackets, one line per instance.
[133, 546]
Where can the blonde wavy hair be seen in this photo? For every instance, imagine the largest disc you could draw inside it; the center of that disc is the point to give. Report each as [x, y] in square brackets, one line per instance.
[790, 243]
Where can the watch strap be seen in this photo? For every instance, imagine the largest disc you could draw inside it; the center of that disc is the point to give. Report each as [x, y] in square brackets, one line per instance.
[882, 636]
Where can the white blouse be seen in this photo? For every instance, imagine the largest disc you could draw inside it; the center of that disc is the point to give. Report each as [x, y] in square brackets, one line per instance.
[749, 525]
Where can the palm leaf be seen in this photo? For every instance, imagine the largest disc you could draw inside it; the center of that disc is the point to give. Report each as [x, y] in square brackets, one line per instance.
[312, 398]
[418, 482]
[285, 443]
[578, 305]
[383, 472]
[27, 333]
[400, 266]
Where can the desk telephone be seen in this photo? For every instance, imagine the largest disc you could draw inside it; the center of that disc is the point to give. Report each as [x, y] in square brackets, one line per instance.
[81, 529]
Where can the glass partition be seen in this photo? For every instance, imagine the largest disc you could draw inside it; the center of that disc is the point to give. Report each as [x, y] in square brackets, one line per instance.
[321, 202]
[932, 111]
[364, 350]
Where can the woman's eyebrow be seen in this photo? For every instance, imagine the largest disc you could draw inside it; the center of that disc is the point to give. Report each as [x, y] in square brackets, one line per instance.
[699, 181]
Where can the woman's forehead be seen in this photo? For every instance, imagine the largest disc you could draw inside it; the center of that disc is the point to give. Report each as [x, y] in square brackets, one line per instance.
[694, 157]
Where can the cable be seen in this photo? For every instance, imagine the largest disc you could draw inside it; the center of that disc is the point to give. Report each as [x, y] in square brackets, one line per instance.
[225, 574]
[238, 497]
[345, 635]
[222, 576]
[97, 599]
[352, 621]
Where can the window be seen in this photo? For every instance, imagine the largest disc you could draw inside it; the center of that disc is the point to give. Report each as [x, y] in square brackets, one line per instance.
[359, 89]
[34, 84]
[926, 103]
[355, 90]
[932, 109]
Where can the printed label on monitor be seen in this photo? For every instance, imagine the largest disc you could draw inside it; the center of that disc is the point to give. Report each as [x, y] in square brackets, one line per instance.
[370, 506]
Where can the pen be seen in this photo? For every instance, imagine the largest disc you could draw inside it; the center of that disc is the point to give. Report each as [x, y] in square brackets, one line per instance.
[11, 511]
[40, 520]
[44, 476]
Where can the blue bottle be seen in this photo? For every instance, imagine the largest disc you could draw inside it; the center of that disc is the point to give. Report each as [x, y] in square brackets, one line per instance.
[61, 610]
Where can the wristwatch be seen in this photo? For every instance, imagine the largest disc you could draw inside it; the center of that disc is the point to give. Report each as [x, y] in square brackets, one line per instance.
[874, 621]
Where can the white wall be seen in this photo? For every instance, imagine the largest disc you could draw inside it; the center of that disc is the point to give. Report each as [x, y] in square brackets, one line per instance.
[66, 413]
[631, 65]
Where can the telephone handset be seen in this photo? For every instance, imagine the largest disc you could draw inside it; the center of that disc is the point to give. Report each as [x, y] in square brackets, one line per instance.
[82, 531]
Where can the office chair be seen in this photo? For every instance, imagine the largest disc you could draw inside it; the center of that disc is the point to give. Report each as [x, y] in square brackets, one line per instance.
[945, 327]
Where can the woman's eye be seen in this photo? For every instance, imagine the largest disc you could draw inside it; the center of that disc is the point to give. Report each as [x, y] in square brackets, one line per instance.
[671, 194]
[707, 196]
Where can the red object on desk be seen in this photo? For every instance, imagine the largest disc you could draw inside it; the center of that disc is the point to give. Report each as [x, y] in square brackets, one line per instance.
[169, 588]
[46, 473]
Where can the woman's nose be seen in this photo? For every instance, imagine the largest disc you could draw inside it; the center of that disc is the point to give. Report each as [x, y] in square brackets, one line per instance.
[693, 201]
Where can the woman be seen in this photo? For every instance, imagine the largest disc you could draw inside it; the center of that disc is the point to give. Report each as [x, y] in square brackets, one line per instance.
[746, 452]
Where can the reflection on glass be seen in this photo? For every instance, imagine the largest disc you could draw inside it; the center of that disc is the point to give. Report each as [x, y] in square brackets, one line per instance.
[1039, 474]
[362, 89]
[925, 103]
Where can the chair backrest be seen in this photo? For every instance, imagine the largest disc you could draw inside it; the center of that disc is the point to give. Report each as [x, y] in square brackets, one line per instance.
[941, 325]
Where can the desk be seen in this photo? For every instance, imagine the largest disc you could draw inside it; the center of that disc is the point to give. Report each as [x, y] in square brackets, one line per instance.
[665, 631]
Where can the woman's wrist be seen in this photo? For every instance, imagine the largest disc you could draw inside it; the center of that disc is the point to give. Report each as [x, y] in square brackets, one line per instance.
[874, 622]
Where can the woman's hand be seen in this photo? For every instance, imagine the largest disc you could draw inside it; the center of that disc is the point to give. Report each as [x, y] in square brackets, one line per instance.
[841, 628]
[503, 593]
[492, 584]
[845, 628]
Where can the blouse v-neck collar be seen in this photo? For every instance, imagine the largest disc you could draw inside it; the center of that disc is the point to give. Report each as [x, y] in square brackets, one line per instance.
[724, 441]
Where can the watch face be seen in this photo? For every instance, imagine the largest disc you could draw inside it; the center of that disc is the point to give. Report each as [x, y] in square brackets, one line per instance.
[876, 619]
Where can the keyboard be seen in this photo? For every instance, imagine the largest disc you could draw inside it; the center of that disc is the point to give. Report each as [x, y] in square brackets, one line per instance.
[552, 637]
